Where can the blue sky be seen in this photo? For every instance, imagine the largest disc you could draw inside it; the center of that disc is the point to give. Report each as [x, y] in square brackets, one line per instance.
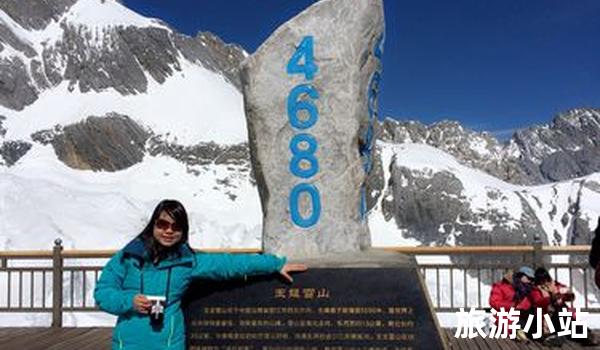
[493, 65]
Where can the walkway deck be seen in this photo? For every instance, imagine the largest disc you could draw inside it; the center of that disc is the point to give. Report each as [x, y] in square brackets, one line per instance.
[99, 339]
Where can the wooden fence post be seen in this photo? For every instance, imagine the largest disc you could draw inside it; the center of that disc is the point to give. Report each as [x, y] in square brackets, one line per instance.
[538, 258]
[57, 283]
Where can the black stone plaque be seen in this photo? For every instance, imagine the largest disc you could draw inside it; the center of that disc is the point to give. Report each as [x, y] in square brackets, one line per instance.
[324, 309]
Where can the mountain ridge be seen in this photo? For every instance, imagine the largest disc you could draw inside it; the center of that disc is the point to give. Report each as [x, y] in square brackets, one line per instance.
[530, 156]
[172, 125]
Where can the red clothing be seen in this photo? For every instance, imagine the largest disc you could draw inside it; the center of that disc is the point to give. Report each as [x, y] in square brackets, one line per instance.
[539, 300]
[502, 295]
[544, 302]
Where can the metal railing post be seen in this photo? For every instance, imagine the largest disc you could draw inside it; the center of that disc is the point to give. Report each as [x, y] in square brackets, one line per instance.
[57, 283]
[538, 258]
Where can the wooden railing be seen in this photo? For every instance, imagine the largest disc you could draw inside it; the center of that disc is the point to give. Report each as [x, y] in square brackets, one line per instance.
[56, 281]
[465, 279]
[61, 281]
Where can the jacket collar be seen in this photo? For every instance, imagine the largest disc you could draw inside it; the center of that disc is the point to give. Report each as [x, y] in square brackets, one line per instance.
[136, 249]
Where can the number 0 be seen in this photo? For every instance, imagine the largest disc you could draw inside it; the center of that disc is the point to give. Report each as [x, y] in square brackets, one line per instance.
[315, 200]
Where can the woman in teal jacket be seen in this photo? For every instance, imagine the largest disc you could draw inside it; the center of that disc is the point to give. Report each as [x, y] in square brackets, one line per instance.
[159, 262]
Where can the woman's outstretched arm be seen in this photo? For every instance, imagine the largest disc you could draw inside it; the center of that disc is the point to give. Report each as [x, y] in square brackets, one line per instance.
[232, 266]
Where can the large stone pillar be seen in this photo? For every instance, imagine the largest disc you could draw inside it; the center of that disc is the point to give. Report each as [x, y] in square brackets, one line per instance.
[310, 95]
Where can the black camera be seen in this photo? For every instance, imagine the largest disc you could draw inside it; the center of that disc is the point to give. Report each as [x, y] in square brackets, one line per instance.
[157, 309]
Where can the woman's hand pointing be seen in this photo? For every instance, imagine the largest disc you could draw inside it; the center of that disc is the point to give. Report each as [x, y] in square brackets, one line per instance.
[291, 268]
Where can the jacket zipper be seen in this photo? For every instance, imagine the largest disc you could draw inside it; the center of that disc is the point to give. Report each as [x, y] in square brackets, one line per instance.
[120, 340]
[170, 332]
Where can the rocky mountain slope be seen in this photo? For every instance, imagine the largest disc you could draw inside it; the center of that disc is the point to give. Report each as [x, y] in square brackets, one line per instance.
[429, 197]
[542, 181]
[97, 101]
[103, 112]
[563, 149]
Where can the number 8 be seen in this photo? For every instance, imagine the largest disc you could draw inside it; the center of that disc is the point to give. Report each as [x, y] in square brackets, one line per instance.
[304, 154]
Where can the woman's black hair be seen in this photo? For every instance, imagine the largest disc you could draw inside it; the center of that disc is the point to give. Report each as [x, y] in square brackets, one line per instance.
[542, 276]
[176, 211]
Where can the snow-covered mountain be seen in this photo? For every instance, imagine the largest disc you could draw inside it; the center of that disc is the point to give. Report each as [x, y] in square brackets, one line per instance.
[104, 112]
[566, 148]
[444, 184]
[429, 197]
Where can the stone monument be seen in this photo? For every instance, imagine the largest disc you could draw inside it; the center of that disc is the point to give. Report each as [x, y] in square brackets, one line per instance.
[310, 95]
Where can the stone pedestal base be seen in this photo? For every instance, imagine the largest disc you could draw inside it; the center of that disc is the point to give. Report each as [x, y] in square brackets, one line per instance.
[363, 300]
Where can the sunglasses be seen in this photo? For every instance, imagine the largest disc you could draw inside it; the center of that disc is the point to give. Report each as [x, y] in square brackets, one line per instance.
[164, 225]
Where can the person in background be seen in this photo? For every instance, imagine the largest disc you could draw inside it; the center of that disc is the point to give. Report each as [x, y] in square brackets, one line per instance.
[143, 283]
[552, 297]
[514, 291]
[595, 254]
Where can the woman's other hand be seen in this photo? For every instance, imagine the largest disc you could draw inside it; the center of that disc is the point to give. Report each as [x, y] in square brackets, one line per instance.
[141, 304]
[291, 268]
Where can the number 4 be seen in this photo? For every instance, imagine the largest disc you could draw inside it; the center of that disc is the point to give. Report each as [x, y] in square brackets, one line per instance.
[305, 50]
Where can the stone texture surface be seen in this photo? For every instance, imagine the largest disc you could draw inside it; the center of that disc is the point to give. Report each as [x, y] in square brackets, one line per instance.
[439, 207]
[375, 180]
[424, 203]
[16, 89]
[115, 142]
[110, 143]
[475, 149]
[201, 154]
[214, 54]
[99, 58]
[566, 148]
[10, 39]
[345, 36]
[35, 14]
[12, 151]
[2, 128]
[124, 64]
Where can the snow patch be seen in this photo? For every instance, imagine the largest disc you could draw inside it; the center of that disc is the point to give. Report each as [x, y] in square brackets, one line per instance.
[100, 210]
[107, 13]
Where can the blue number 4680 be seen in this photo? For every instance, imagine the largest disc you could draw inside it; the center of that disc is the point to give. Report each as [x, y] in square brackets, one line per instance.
[308, 68]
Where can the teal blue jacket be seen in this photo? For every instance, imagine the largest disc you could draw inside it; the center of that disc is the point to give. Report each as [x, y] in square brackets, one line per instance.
[128, 272]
